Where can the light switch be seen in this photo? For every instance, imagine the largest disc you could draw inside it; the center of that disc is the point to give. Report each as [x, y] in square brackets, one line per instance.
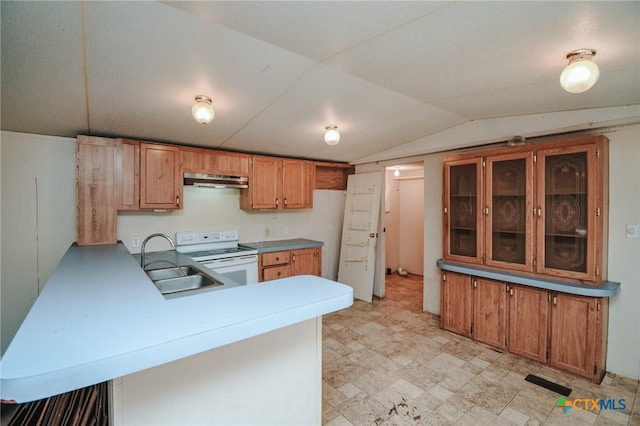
[632, 231]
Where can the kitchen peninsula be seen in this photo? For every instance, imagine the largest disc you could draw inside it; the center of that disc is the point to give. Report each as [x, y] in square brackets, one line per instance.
[239, 355]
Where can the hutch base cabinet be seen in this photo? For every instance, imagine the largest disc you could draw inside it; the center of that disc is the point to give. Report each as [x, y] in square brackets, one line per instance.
[564, 330]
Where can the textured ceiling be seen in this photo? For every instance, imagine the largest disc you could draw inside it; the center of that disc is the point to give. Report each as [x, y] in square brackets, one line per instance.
[397, 78]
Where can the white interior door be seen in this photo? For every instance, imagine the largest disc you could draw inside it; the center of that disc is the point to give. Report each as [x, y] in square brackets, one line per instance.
[360, 234]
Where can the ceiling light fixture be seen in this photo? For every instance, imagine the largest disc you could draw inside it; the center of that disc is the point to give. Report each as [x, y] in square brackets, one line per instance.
[396, 173]
[331, 135]
[581, 73]
[202, 110]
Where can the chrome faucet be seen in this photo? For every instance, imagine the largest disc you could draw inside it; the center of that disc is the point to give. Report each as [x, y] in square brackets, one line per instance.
[144, 243]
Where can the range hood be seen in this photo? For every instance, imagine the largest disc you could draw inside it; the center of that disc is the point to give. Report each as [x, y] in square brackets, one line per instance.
[216, 181]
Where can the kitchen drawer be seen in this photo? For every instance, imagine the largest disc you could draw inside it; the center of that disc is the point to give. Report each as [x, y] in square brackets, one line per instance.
[276, 258]
[276, 272]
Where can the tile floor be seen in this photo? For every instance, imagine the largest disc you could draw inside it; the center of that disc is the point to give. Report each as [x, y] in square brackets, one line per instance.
[388, 363]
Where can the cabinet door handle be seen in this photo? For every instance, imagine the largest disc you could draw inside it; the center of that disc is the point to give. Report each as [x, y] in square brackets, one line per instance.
[277, 259]
[277, 202]
[285, 202]
[539, 212]
[293, 258]
[475, 284]
[178, 200]
[511, 291]
[555, 302]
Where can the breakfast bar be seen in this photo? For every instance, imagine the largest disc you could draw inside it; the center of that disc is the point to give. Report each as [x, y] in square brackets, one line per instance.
[100, 318]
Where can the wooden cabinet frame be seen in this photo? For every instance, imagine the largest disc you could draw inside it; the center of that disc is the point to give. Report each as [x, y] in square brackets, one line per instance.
[286, 263]
[279, 183]
[595, 148]
[565, 331]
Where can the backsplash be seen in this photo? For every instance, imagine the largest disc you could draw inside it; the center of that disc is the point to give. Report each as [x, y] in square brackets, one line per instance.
[206, 208]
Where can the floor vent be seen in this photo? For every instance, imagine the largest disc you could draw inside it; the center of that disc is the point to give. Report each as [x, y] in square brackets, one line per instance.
[564, 391]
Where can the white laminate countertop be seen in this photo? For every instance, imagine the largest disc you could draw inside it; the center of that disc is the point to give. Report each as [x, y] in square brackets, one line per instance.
[99, 317]
[278, 245]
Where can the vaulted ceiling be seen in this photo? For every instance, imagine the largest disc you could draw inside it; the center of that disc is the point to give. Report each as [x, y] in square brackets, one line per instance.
[397, 78]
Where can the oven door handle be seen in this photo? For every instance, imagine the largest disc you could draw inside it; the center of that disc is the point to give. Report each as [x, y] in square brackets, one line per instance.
[232, 261]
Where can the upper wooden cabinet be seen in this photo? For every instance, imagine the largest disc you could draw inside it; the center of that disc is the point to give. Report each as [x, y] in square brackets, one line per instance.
[199, 160]
[462, 210]
[96, 196]
[508, 211]
[127, 174]
[570, 212]
[536, 208]
[148, 176]
[277, 183]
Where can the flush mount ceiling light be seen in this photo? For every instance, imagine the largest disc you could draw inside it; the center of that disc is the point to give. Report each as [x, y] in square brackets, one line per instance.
[202, 110]
[396, 173]
[331, 135]
[581, 73]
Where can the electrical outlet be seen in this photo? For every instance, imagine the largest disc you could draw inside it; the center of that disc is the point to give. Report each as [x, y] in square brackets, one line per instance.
[285, 231]
[135, 241]
[632, 231]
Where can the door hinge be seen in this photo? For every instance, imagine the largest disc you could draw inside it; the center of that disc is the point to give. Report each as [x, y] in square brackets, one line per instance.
[597, 211]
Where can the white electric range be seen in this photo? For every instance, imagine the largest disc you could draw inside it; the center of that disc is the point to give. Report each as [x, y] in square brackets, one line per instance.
[218, 250]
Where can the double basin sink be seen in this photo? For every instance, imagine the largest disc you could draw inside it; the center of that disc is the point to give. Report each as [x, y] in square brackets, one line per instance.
[181, 280]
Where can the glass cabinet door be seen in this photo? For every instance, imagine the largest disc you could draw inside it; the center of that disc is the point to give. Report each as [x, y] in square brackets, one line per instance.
[462, 203]
[508, 214]
[567, 212]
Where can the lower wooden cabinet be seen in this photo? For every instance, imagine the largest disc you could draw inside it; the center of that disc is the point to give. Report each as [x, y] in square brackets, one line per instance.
[566, 331]
[286, 263]
[456, 308]
[490, 312]
[576, 345]
[528, 322]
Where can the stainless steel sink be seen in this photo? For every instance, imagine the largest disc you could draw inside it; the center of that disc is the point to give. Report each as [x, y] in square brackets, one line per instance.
[173, 281]
[176, 272]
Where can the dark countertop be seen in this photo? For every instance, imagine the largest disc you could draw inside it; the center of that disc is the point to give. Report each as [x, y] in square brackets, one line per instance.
[279, 245]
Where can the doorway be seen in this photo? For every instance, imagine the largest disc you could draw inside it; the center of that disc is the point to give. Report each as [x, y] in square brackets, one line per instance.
[404, 233]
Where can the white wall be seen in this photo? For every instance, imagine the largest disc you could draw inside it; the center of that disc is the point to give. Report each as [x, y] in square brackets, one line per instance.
[624, 207]
[207, 208]
[271, 379]
[432, 231]
[624, 254]
[391, 222]
[404, 222]
[39, 220]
